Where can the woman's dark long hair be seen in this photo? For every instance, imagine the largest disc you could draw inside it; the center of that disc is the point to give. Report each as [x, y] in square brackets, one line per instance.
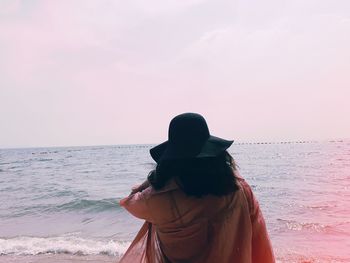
[197, 176]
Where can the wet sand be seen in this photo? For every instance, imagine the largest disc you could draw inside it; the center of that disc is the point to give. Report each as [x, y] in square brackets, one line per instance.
[58, 259]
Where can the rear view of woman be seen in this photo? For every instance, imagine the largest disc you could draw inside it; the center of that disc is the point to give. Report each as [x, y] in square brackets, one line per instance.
[196, 206]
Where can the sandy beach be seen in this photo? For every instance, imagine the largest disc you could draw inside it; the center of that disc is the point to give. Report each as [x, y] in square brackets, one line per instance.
[54, 258]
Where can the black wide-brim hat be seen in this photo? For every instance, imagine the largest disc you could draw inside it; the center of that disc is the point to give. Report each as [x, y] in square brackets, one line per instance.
[189, 137]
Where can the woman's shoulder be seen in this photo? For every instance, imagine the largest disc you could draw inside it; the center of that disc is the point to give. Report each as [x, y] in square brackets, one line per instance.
[248, 193]
[241, 181]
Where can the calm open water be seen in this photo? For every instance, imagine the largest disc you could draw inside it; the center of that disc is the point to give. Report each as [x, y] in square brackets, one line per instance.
[65, 200]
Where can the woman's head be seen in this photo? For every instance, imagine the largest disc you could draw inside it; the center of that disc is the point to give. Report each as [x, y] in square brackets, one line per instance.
[198, 161]
[198, 176]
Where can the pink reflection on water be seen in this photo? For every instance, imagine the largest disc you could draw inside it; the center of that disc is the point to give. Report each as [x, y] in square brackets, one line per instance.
[317, 227]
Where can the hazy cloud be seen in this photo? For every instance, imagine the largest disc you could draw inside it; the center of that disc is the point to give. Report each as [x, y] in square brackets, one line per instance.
[79, 72]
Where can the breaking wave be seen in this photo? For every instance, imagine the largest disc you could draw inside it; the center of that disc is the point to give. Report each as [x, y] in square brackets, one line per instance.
[61, 245]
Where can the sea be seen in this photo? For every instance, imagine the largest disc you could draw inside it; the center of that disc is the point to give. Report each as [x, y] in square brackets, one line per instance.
[60, 204]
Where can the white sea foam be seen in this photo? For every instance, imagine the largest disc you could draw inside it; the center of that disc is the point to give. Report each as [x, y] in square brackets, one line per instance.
[61, 245]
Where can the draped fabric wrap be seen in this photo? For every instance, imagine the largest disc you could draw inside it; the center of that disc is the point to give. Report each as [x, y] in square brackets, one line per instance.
[181, 228]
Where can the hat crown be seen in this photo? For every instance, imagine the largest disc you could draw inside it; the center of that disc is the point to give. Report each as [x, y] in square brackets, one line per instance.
[189, 137]
[188, 129]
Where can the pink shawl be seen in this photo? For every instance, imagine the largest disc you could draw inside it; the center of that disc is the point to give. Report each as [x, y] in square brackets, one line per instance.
[181, 228]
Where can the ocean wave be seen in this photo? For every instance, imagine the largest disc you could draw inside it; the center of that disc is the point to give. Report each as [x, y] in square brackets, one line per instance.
[90, 205]
[61, 245]
[298, 226]
[79, 205]
[44, 159]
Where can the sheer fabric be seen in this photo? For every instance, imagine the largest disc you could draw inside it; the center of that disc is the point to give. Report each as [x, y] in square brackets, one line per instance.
[181, 228]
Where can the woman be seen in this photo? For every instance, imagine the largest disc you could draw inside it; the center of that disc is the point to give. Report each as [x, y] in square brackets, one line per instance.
[196, 206]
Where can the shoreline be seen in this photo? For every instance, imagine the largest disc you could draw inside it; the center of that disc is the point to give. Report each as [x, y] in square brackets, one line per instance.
[58, 258]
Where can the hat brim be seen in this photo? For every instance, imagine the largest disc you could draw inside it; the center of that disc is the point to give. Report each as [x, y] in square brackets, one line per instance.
[212, 147]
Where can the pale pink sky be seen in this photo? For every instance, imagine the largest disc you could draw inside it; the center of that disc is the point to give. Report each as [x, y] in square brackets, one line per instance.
[89, 72]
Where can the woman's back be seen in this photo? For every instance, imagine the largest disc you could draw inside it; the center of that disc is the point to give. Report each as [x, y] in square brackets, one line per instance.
[205, 229]
[191, 229]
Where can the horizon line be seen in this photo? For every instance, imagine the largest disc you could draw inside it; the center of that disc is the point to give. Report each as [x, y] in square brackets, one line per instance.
[236, 142]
